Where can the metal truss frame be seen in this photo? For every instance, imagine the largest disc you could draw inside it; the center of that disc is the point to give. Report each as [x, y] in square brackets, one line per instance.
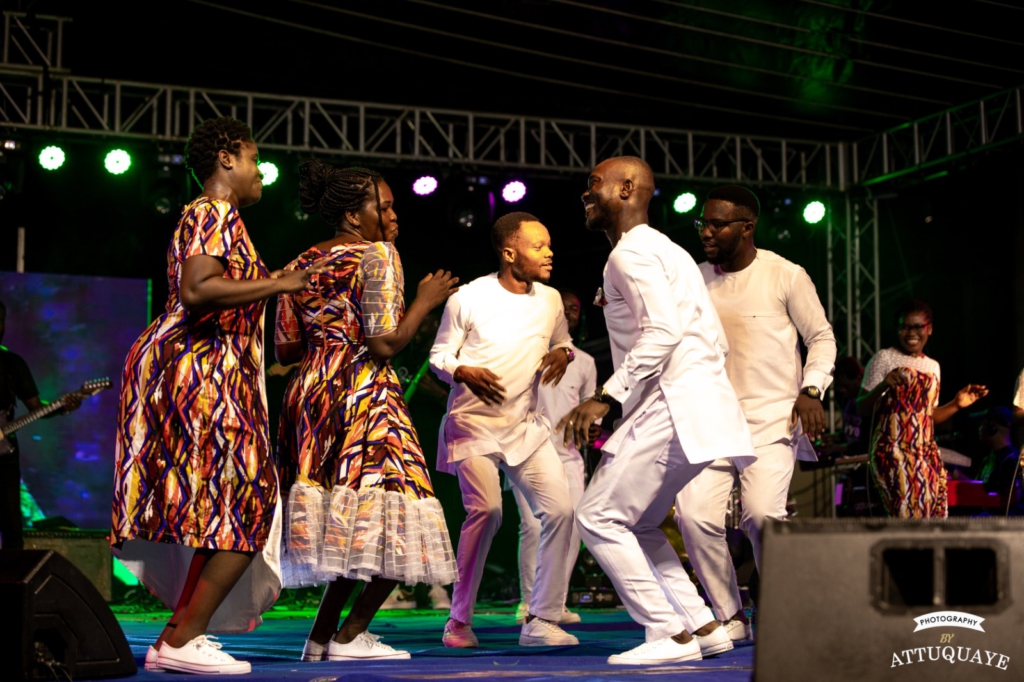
[940, 138]
[68, 104]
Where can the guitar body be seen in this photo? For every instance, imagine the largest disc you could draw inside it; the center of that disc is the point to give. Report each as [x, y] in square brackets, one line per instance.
[6, 445]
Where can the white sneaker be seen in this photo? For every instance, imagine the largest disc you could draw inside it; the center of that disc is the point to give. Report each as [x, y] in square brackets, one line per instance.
[539, 632]
[665, 650]
[568, 617]
[364, 647]
[459, 635]
[152, 656]
[439, 598]
[718, 642]
[312, 652]
[201, 656]
[522, 611]
[399, 599]
[738, 630]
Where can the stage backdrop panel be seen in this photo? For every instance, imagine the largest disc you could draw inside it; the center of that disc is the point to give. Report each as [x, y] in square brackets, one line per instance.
[71, 329]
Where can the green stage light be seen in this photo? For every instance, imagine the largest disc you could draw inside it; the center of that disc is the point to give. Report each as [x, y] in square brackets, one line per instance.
[117, 161]
[269, 171]
[814, 212]
[684, 202]
[51, 158]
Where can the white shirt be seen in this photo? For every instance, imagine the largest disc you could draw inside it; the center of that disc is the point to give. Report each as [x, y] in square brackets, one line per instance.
[485, 325]
[888, 359]
[666, 340]
[763, 308]
[578, 384]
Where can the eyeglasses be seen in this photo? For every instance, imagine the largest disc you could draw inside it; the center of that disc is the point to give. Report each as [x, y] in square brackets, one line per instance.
[716, 225]
[914, 327]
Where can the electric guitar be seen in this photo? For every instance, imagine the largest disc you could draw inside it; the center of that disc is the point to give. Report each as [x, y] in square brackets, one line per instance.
[7, 428]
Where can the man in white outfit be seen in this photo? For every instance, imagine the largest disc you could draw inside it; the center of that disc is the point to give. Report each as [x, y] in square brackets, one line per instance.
[764, 302]
[679, 414]
[500, 336]
[555, 401]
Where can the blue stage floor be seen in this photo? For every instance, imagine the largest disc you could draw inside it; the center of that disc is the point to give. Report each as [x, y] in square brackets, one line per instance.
[274, 649]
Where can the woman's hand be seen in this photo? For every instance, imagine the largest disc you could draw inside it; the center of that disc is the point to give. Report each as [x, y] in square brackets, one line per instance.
[434, 289]
[893, 379]
[970, 394]
[294, 281]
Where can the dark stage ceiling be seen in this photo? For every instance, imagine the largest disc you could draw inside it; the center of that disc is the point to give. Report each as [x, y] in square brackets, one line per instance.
[801, 68]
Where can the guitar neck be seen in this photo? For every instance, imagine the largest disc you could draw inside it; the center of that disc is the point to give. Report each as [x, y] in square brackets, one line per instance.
[32, 416]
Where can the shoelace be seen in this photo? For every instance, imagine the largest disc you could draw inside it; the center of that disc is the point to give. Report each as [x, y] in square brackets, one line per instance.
[373, 641]
[204, 644]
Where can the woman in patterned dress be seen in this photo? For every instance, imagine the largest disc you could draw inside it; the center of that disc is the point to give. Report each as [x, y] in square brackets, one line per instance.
[900, 395]
[195, 487]
[361, 506]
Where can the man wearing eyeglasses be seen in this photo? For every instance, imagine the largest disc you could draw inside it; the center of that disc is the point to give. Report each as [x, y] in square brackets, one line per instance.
[766, 304]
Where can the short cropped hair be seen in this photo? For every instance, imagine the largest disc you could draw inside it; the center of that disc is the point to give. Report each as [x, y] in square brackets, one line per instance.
[507, 227]
[206, 141]
[914, 305]
[737, 196]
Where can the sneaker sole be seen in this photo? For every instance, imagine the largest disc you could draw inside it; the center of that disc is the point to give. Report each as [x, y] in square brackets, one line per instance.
[525, 640]
[460, 645]
[619, 660]
[387, 657]
[717, 649]
[175, 666]
[154, 668]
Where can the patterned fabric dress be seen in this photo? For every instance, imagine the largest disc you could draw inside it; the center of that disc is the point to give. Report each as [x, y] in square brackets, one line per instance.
[192, 461]
[360, 503]
[905, 460]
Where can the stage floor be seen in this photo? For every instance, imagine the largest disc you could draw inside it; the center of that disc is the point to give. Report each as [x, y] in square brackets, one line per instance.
[274, 649]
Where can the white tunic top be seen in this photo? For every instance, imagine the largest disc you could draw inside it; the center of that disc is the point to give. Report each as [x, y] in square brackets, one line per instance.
[763, 309]
[666, 340]
[888, 359]
[578, 384]
[485, 325]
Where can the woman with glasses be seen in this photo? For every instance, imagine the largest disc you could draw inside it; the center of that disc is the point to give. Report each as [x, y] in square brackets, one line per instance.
[900, 398]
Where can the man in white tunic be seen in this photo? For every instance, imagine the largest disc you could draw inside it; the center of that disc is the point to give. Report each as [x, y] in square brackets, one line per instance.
[500, 336]
[766, 304]
[555, 401]
[679, 414]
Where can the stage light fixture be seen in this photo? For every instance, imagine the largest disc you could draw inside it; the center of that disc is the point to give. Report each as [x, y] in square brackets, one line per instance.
[513, 191]
[814, 212]
[270, 172]
[51, 158]
[684, 202]
[425, 185]
[117, 161]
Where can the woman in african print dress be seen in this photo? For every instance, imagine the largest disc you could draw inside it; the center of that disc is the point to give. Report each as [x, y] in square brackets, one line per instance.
[361, 506]
[195, 488]
[901, 391]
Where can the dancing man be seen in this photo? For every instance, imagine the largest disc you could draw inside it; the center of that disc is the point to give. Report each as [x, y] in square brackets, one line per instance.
[766, 304]
[555, 401]
[499, 334]
[679, 413]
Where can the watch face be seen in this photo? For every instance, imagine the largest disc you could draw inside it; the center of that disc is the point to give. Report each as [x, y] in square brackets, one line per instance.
[812, 391]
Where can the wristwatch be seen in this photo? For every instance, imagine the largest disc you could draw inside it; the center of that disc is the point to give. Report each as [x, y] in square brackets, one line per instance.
[602, 396]
[811, 391]
[570, 353]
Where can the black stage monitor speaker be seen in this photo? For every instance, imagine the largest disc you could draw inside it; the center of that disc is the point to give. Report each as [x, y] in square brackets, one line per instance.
[880, 599]
[55, 624]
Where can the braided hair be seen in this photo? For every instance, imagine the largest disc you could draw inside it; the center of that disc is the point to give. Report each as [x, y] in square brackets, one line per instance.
[914, 305]
[206, 141]
[332, 192]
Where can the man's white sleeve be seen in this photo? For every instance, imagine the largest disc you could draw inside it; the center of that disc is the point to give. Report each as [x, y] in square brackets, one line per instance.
[809, 317]
[451, 334]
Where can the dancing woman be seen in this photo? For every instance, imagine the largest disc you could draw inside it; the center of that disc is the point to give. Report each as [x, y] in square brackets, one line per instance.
[361, 506]
[195, 488]
[901, 392]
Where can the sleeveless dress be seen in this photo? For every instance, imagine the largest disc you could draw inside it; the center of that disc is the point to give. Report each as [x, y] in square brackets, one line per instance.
[193, 467]
[905, 459]
[360, 501]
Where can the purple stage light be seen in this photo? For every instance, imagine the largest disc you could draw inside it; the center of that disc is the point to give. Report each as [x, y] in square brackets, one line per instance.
[513, 191]
[425, 185]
